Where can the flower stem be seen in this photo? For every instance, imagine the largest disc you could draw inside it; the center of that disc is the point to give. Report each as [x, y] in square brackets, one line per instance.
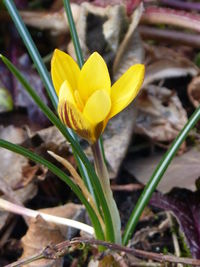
[102, 173]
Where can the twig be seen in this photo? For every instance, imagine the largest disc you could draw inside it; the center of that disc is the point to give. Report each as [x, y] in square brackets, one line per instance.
[182, 4]
[145, 264]
[170, 36]
[59, 250]
[178, 18]
[9, 206]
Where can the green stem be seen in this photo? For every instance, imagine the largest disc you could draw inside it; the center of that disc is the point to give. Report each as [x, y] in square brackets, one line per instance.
[80, 60]
[102, 173]
[157, 175]
[55, 170]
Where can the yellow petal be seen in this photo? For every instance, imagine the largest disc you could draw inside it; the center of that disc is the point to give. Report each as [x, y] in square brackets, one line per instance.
[94, 76]
[97, 107]
[75, 120]
[66, 93]
[126, 88]
[63, 67]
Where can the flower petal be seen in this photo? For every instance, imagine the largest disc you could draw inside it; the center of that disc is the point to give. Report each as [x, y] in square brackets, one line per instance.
[94, 76]
[97, 107]
[66, 93]
[75, 120]
[63, 67]
[126, 88]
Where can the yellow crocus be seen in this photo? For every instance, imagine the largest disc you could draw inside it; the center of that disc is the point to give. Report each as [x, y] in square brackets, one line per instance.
[87, 101]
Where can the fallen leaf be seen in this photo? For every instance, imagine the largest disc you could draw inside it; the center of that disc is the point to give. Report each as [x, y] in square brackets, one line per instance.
[130, 5]
[194, 91]
[182, 172]
[160, 114]
[41, 234]
[20, 97]
[12, 166]
[163, 62]
[117, 138]
[130, 50]
[100, 29]
[185, 206]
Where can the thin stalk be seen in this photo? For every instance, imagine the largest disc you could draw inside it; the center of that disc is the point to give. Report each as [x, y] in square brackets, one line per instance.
[55, 170]
[76, 147]
[74, 34]
[157, 175]
[32, 49]
[20, 210]
[107, 191]
[102, 173]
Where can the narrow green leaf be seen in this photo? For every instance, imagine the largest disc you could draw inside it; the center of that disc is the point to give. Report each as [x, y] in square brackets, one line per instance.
[25, 35]
[157, 175]
[55, 170]
[74, 34]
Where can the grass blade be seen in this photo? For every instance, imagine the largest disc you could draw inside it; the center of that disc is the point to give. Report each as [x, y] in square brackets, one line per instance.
[25, 35]
[55, 170]
[74, 34]
[157, 176]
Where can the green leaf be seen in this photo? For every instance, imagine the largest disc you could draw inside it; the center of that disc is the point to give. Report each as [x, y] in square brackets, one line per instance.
[157, 176]
[74, 34]
[55, 170]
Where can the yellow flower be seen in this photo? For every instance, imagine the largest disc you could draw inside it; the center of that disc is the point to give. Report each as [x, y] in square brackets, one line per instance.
[86, 99]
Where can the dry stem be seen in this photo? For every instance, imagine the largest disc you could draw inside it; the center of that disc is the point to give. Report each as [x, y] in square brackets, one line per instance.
[59, 250]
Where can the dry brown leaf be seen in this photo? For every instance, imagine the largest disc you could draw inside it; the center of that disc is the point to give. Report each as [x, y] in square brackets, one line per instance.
[118, 134]
[182, 172]
[55, 21]
[48, 139]
[100, 29]
[117, 138]
[131, 49]
[41, 234]
[160, 114]
[163, 63]
[194, 91]
[12, 167]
